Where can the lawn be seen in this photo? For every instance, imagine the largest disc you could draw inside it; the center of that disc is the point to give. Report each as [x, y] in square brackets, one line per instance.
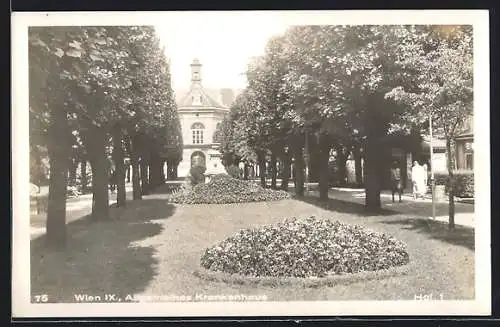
[153, 247]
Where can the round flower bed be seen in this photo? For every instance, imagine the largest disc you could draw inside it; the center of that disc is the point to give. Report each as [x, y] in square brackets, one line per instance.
[225, 189]
[308, 247]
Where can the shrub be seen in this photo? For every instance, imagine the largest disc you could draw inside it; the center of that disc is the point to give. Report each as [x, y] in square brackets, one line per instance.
[182, 190]
[196, 175]
[308, 247]
[463, 183]
[223, 188]
[233, 171]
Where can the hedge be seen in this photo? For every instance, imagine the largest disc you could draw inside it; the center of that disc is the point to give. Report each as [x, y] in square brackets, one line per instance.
[463, 183]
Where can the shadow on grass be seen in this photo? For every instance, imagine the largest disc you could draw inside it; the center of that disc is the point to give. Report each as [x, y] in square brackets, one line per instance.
[461, 235]
[104, 257]
[344, 206]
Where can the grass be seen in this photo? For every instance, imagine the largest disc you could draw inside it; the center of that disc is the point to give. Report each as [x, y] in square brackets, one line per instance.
[154, 248]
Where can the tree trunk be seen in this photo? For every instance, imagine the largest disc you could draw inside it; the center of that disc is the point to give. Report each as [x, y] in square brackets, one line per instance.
[372, 174]
[170, 171]
[143, 165]
[132, 145]
[128, 173]
[376, 125]
[415, 141]
[299, 169]
[83, 173]
[324, 173]
[274, 171]
[286, 170]
[118, 158]
[451, 197]
[162, 172]
[314, 165]
[72, 171]
[58, 150]
[341, 165]
[262, 168]
[100, 176]
[245, 172]
[155, 171]
[357, 165]
[136, 182]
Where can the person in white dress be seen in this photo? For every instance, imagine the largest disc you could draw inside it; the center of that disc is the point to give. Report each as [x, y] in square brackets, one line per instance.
[418, 180]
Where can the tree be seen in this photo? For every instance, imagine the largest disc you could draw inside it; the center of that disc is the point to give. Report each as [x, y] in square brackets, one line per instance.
[325, 84]
[90, 87]
[265, 78]
[52, 58]
[441, 59]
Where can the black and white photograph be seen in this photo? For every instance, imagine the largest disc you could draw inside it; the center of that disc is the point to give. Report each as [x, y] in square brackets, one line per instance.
[251, 163]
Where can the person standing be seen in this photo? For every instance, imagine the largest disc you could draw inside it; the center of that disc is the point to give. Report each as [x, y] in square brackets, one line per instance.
[417, 178]
[396, 185]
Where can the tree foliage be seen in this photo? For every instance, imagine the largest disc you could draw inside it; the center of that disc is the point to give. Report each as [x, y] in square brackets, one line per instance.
[351, 86]
[441, 61]
[91, 87]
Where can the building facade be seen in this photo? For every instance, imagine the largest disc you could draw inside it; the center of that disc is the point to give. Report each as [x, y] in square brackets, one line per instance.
[200, 111]
[464, 146]
[463, 155]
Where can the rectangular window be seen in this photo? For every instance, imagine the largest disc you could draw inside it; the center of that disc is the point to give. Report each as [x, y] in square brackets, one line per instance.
[469, 161]
[197, 137]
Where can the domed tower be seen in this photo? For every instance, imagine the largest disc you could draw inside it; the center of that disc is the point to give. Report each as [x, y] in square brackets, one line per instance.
[196, 72]
[200, 111]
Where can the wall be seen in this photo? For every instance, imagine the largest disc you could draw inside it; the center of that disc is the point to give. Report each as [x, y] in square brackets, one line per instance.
[209, 120]
[212, 160]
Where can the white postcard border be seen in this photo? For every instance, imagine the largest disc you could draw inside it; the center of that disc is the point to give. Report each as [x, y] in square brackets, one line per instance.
[21, 306]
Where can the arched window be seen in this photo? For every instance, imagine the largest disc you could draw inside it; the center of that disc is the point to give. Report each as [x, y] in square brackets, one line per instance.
[197, 132]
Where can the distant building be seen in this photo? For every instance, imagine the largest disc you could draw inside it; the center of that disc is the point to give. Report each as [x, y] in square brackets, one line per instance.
[464, 150]
[200, 110]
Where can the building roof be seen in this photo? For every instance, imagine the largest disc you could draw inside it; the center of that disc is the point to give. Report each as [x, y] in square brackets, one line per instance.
[198, 96]
[436, 142]
[206, 99]
[211, 97]
[465, 136]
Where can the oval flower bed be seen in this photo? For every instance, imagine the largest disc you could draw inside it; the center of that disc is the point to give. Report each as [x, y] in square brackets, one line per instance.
[299, 249]
[225, 189]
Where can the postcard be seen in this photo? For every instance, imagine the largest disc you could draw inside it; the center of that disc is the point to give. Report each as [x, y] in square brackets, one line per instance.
[251, 163]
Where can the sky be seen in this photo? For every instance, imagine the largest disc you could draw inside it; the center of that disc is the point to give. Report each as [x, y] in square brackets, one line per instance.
[223, 46]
